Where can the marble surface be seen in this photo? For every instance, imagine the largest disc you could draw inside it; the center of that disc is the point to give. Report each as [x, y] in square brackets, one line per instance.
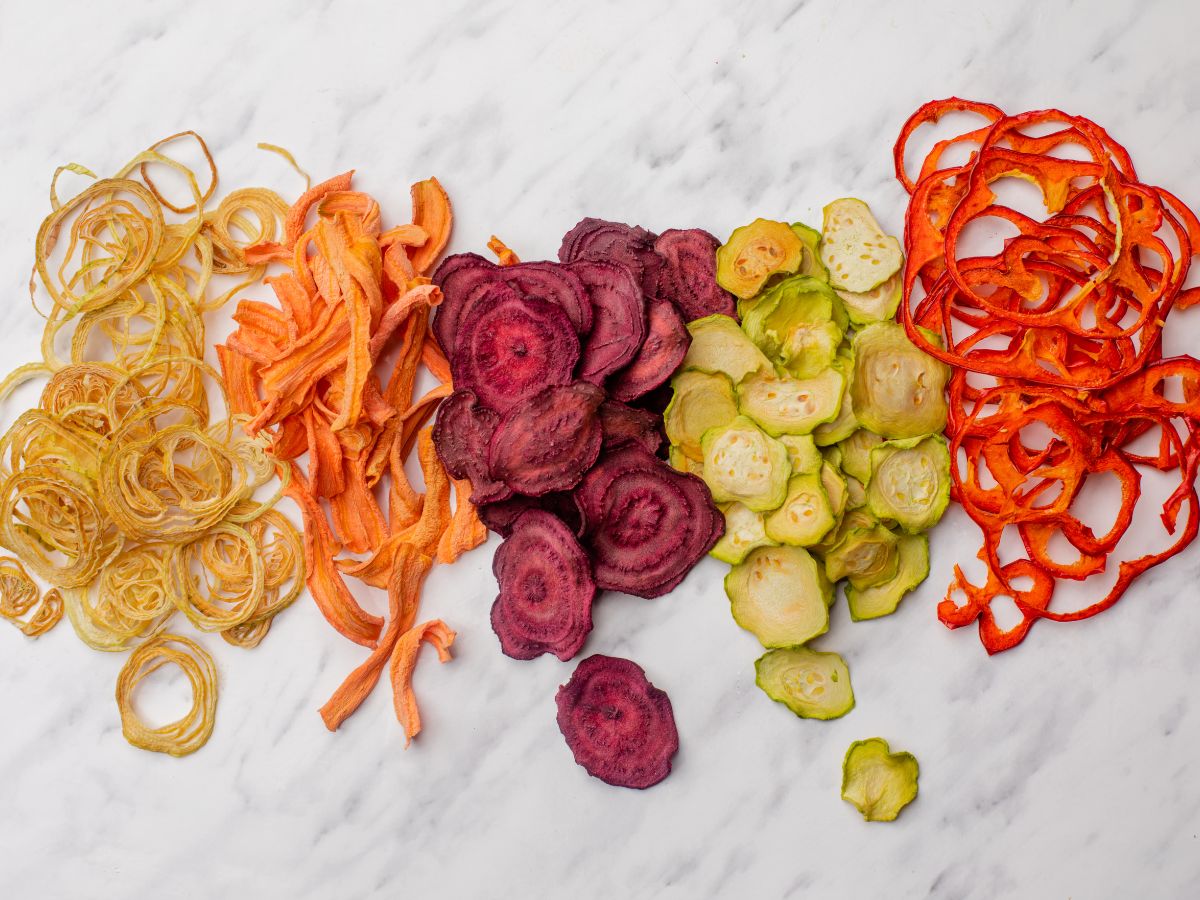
[1067, 768]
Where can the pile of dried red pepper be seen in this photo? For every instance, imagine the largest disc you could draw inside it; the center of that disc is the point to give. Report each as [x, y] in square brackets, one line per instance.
[1056, 347]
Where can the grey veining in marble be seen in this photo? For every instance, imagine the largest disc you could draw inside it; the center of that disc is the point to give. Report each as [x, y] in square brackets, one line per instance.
[1067, 768]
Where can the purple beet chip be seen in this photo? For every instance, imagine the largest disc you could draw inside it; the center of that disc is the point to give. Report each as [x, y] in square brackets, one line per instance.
[629, 245]
[500, 515]
[461, 434]
[618, 725]
[666, 344]
[546, 589]
[623, 424]
[619, 318]
[689, 274]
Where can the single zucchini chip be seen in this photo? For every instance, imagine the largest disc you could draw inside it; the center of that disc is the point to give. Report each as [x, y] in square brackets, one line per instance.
[844, 424]
[781, 404]
[856, 493]
[835, 485]
[800, 321]
[805, 515]
[855, 250]
[780, 595]
[720, 345]
[877, 782]
[701, 400]
[812, 684]
[897, 391]
[876, 305]
[744, 531]
[864, 551]
[803, 452]
[910, 481]
[754, 253]
[811, 263]
[882, 599]
[742, 463]
[856, 453]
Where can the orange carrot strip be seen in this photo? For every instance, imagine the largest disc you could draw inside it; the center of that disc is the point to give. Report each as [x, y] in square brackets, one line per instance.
[404, 588]
[294, 300]
[405, 505]
[426, 532]
[427, 295]
[239, 381]
[399, 389]
[404, 660]
[466, 531]
[435, 360]
[325, 472]
[405, 235]
[431, 212]
[332, 597]
[505, 256]
[293, 226]
[356, 516]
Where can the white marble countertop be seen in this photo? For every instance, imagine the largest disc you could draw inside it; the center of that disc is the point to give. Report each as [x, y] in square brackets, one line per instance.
[1066, 768]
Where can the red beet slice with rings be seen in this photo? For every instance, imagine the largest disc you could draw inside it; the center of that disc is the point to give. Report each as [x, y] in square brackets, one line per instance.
[666, 344]
[618, 725]
[465, 278]
[550, 441]
[500, 515]
[618, 321]
[511, 347]
[645, 524]
[629, 245]
[461, 435]
[689, 274]
[546, 589]
[623, 424]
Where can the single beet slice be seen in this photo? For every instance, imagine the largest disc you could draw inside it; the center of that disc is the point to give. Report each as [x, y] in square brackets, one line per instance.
[645, 524]
[546, 589]
[554, 283]
[666, 344]
[461, 278]
[689, 274]
[623, 424]
[619, 726]
[616, 242]
[461, 434]
[500, 515]
[548, 442]
[619, 318]
[511, 347]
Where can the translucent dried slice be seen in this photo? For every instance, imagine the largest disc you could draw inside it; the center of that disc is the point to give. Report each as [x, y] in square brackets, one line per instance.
[700, 401]
[744, 531]
[664, 348]
[855, 250]
[743, 464]
[898, 391]
[811, 239]
[856, 450]
[546, 589]
[754, 253]
[876, 781]
[629, 245]
[882, 599]
[865, 551]
[462, 433]
[803, 452]
[805, 516]
[689, 274]
[619, 726]
[780, 595]
[548, 442]
[876, 305]
[720, 345]
[910, 481]
[622, 424]
[843, 425]
[781, 404]
[812, 684]
[513, 348]
[800, 321]
[646, 525]
[618, 318]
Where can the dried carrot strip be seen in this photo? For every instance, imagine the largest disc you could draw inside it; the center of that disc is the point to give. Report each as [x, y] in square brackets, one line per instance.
[504, 255]
[466, 531]
[432, 213]
[404, 660]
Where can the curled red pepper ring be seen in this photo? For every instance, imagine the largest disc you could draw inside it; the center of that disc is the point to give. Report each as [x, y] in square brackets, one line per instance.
[1055, 342]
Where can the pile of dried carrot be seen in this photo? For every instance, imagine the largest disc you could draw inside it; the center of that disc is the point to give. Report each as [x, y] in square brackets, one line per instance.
[311, 372]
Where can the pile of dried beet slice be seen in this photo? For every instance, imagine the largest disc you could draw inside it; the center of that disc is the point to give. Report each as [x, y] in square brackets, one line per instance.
[1055, 341]
[556, 424]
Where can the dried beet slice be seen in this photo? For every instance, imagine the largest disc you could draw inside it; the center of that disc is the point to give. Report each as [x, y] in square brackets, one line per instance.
[500, 515]
[646, 525]
[623, 424]
[548, 443]
[689, 274]
[460, 277]
[619, 318]
[617, 242]
[619, 726]
[511, 347]
[554, 283]
[546, 589]
[666, 344]
[461, 435]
